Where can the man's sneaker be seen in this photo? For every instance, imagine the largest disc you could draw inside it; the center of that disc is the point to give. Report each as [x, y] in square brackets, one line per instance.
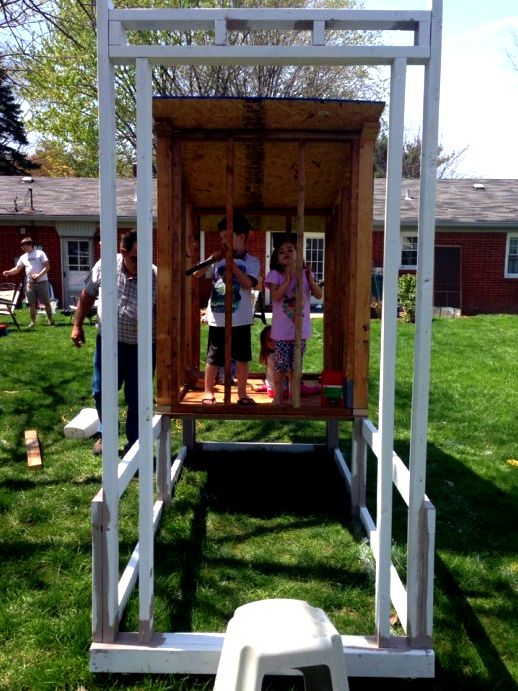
[97, 448]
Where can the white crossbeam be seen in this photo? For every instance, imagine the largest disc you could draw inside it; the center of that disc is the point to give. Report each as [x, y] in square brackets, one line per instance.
[168, 19]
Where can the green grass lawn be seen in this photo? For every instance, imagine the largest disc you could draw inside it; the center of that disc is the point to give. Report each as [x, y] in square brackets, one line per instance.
[286, 534]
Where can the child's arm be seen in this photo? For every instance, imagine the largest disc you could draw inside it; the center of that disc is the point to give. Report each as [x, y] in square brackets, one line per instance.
[315, 289]
[278, 290]
[245, 281]
[214, 257]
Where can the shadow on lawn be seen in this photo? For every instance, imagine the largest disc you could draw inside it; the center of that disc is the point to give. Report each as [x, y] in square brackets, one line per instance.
[257, 488]
[473, 530]
[310, 489]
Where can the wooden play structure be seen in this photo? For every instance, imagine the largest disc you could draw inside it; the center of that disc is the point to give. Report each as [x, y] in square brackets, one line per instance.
[289, 158]
[299, 161]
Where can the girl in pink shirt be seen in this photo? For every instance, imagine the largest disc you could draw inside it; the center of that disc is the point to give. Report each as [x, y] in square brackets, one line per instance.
[282, 283]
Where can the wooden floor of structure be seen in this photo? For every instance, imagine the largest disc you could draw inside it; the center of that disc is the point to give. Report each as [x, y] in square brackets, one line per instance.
[311, 406]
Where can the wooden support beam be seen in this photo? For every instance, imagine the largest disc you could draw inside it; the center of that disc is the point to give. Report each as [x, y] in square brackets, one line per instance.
[177, 266]
[229, 239]
[299, 302]
[164, 163]
[32, 445]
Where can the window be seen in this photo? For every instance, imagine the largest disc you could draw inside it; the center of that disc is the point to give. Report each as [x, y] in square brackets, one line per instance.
[78, 255]
[408, 251]
[511, 256]
[314, 255]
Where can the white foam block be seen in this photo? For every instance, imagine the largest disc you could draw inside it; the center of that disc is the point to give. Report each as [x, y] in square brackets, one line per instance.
[84, 425]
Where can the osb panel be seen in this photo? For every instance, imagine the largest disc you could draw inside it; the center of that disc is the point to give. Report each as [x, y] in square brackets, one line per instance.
[265, 170]
[265, 175]
[263, 113]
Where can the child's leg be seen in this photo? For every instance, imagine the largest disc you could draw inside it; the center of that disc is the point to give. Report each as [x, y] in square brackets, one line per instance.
[242, 354]
[242, 378]
[280, 361]
[215, 346]
[210, 380]
[278, 385]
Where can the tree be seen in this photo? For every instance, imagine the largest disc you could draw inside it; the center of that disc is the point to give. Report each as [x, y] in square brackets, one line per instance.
[13, 137]
[446, 162]
[56, 75]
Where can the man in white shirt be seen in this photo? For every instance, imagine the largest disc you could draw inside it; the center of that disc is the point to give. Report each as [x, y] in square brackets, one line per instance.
[36, 265]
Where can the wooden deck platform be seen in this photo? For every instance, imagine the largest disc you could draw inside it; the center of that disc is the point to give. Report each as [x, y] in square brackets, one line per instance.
[311, 407]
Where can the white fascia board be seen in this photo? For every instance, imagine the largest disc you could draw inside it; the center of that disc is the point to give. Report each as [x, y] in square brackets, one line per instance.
[269, 55]
[151, 19]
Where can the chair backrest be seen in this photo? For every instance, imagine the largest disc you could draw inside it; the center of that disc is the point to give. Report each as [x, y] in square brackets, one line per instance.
[9, 296]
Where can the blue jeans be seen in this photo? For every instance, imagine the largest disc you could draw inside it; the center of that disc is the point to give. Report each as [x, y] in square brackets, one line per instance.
[127, 357]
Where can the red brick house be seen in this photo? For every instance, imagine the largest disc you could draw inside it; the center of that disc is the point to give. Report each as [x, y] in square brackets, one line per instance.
[476, 242]
[62, 217]
[476, 247]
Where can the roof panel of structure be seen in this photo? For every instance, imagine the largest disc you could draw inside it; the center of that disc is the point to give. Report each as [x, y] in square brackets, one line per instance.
[272, 114]
[267, 133]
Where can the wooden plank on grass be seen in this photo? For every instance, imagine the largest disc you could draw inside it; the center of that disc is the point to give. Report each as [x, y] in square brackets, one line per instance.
[33, 449]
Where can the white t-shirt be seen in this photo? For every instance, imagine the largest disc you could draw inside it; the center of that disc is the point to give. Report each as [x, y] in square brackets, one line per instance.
[33, 263]
[242, 311]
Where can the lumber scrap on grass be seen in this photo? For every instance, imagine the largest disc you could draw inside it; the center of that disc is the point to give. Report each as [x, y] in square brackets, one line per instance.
[32, 445]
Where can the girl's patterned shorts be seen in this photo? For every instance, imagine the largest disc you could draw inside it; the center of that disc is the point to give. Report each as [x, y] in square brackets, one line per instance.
[284, 355]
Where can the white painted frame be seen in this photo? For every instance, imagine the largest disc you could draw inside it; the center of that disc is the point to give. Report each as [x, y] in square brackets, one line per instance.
[404, 235]
[507, 273]
[146, 651]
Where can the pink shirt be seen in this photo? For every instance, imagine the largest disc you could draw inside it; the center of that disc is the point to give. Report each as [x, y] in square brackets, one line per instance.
[283, 311]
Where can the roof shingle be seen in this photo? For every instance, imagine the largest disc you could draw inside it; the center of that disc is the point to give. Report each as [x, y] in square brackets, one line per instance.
[459, 202]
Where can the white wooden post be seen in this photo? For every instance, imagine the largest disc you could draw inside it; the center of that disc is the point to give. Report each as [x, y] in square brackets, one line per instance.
[107, 591]
[145, 329]
[392, 256]
[163, 461]
[358, 468]
[416, 561]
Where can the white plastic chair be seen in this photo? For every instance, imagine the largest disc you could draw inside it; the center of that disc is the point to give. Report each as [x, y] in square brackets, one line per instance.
[278, 635]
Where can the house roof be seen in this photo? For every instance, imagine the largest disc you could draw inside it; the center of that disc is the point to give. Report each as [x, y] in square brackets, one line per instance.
[484, 203]
[491, 203]
[61, 199]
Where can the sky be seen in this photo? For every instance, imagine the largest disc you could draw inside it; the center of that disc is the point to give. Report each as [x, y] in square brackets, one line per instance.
[479, 86]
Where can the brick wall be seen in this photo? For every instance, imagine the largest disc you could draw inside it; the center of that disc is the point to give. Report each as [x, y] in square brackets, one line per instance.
[43, 236]
[485, 289]
[50, 242]
[484, 286]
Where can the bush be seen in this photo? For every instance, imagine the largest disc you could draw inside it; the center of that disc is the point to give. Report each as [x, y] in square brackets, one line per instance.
[407, 293]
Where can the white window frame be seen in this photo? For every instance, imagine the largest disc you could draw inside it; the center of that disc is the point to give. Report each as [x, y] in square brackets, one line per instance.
[507, 273]
[404, 236]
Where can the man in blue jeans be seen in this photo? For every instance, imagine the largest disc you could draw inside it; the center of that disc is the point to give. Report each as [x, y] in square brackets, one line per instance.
[127, 337]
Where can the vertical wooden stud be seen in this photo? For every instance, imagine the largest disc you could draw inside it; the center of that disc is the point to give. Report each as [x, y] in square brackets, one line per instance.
[228, 268]
[299, 303]
[165, 272]
[364, 197]
[177, 267]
